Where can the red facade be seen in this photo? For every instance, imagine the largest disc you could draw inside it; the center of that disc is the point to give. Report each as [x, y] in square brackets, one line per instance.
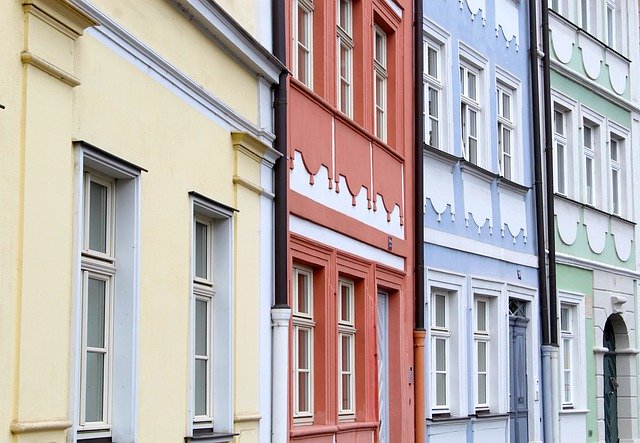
[350, 109]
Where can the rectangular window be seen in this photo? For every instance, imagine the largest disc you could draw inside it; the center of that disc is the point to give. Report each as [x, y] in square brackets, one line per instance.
[380, 82]
[588, 137]
[303, 327]
[615, 173]
[440, 337]
[98, 273]
[585, 15]
[303, 29]
[506, 131]
[345, 56]
[482, 338]
[611, 23]
[470, 113]
[434, 91]
[346, 349]
[560, 148]
[567, 351]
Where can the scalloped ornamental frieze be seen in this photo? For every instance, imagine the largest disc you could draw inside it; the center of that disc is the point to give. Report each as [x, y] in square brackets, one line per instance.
[319, 190]
[513, 213]
[618, 71]
[474, 7]
[507, 19]
[623, 233]
[563, 38]
[567, 220]
[592, 55]
[438, 186]
[477, 200]
[596, 224]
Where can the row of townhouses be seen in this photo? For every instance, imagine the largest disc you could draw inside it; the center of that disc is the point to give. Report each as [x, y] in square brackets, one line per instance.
[319, 221]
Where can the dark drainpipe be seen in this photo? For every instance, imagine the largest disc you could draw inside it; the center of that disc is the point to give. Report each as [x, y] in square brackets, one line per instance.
[419, 332]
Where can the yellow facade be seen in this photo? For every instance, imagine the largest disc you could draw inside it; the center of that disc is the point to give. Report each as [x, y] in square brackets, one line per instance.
[61, 83]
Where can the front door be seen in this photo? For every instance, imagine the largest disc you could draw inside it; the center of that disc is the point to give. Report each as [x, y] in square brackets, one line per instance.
[518, 402]
[610, 386]
[383, 366]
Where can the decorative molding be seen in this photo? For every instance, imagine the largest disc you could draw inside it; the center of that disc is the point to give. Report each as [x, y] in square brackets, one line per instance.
[62, 12]
[567, 220]
[562, 38]
[253, 147]
[243, 417]
[596, 224]
[44, 425]
[151, 63]
[507, 19]
[618, 70]
[474, 7]
[477, 199]
[583, 263]
[439, 185]
[623, 236]
[49, 68]
[591, 55]
[513, 212]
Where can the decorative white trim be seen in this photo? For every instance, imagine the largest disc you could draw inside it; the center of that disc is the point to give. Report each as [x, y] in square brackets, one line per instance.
[507, 19]
[567, 220]
[438, 185]
[144, 58]
[566, 259]
[394, 7]
[591, 55]
[336, 240]
[477, 199]
[562, 38]
[452, 241]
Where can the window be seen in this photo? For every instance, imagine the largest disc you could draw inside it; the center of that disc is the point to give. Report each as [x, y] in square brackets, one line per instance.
[482, 339]
[586, 15]
[303, 327]
[380, 82]
[433, 93]
[470, 113]
[615, 146]
[589, 153]
[346, 349]
[567, 339]
[506, 131]
[560, 148]
[440, 336]
[610, 21]
[345, 56]
[98, 272]
[303, 29]
[105, 320]
[211, 317]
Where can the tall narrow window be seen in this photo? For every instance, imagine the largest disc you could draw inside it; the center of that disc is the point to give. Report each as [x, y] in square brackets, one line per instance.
[98, 272]
[588, 135]
[380, 82]
[433, 93]
[506, 132]
[567, 337]
[482, 338]
[440, 336]
[203, 291]
[345, 56]
[585, 15]
[611, 23]
[303, 325]
[303, 29]
[470, 113]
[560, 148]
[346, 349]
[614, 179]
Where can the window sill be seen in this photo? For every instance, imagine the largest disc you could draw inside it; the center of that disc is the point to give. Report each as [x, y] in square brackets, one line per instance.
[572, 411]
[329, 430]
[446, 417]
[514, 186]
[211, 437]
[488, 415]
[478, 171]
[441, 154]
[94, 439]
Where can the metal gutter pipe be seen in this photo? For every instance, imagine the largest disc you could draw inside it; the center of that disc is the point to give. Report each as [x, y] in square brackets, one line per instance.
[419, 332]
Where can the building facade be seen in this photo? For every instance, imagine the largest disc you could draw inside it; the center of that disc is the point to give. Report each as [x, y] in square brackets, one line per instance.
[482, 359]
[350, 191]
[137, 198]
[595, 122]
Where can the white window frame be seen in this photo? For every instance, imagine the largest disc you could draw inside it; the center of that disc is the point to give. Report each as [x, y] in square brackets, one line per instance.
[560, 138]
[302, 320]
[621, 135]
[482, 336]
[509, 84]
[217, 291]
[576, 303]
[306, 7]
[615, 170]
[586, 15]
[440, 333]
[610, 27]
[380, 75]
[345, 39]
[121, 293]
[567, 338]
[472, 62]
[590, 156]
[573, 155]
[347, 329]
[439, 39]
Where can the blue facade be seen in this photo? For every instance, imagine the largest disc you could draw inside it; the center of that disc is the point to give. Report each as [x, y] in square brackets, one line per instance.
[479, 219]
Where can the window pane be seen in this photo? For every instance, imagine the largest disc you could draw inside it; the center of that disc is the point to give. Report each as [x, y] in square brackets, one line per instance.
[441, 311]
[564, 319]
[303, 392]
[346, 391]
[380, 49]
[567, 386]
[558, 121]
[433, 102]
[201, 250]
[472, 79]
[96, 312]
[587, 137]
[482, 388]
[566, 344]
[303, 294]
[481, 318]
[473, 123]
[615, 191]
[589, 179]
[441, 389]
[482, 356]
[433, 133]
[94, 393]
[441, 354]
[200, 388]
[344, 18]
[345, 304]
[346, 353]
[473, 151]
[432, 62]
[614, 150]
[303, 348]
[506, 106]
[302, 65]
[97, 217]
[560, 166]
[201, 328]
